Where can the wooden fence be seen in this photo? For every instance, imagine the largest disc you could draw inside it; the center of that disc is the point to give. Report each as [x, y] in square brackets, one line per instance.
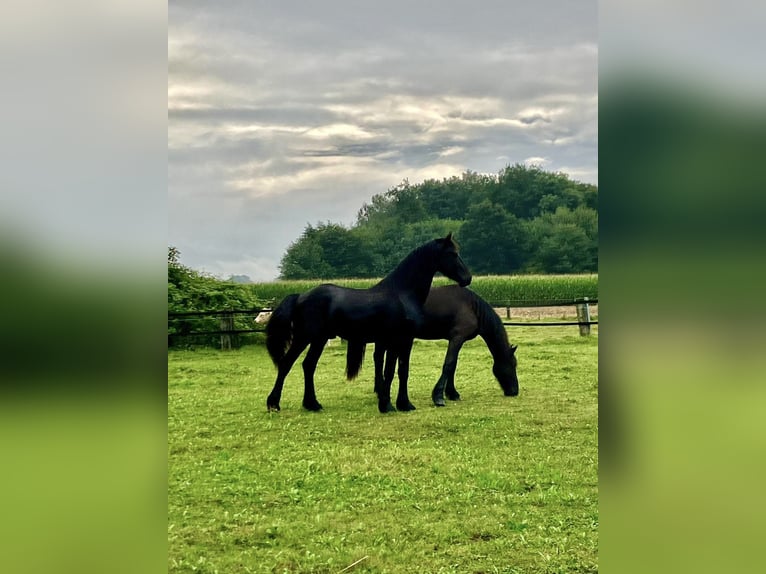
[182, 321]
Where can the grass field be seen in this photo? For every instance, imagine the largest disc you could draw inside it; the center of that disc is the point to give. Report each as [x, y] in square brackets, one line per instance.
[487, 484]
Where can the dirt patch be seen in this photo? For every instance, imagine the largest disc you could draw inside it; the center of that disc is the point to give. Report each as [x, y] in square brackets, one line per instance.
[567, 312]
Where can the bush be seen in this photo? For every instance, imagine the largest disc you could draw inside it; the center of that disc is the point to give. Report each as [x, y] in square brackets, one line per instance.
[190, 290]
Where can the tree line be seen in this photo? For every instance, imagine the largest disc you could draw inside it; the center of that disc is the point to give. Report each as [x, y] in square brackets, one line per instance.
[522, 220]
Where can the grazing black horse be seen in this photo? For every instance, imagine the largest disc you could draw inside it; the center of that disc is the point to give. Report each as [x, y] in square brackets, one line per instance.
[459, 315]
[387, 314]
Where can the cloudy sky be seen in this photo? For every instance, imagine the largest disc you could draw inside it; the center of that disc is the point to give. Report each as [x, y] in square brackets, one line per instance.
[287, 113]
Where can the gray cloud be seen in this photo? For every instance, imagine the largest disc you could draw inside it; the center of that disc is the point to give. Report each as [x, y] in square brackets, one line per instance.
[294, 112]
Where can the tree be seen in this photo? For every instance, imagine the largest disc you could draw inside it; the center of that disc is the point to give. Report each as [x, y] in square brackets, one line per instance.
[528, 192]
[401, 204]
[343, 252]
[451, 198]
[408, 207]
[518, 190]
[244, 279]
[375, 212]
[304, 258]
[328, 251]
[492, 240]
[564, 242]
[503, 221]
[566, 250]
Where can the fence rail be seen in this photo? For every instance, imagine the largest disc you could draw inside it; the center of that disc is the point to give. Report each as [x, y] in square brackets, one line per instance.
[548, 323]
[172, 316]
[227, 330]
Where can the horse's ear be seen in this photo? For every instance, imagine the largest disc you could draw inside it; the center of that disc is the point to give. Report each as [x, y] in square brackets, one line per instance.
[513, 348]
[447, 242]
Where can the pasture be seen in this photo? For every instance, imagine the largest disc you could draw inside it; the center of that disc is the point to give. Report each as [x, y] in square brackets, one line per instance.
[486, 484]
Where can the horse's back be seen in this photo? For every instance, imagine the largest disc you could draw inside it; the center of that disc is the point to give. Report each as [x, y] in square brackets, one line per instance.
[449, 311]
[349, 313]
[367, 315]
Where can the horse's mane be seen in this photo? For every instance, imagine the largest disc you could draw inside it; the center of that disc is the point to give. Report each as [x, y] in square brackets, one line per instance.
[491, 327]
[408, 266]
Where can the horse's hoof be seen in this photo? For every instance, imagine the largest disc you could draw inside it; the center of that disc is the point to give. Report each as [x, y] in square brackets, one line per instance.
[440, 402]
[272, 408]
[408, 406]
[455, 397]
[312, 406]
[387, 408]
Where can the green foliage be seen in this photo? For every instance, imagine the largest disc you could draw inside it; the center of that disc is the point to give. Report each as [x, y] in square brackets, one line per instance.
[486, 484]
[190, 290]
[508, 290]
[564, 241]
[488, 224]
[565, 249]
[314, 252]
[517, 221]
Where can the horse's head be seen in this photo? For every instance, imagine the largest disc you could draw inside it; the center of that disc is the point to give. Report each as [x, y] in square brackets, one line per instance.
[449, 262]
[505, 373]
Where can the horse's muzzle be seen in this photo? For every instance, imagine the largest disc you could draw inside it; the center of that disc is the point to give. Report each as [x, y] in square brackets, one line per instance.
[465, 282]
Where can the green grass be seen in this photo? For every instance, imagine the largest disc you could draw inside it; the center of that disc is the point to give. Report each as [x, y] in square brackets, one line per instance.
[487, 484]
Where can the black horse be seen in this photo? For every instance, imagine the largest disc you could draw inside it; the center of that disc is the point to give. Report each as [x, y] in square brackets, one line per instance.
[388, 314]
[459, 315]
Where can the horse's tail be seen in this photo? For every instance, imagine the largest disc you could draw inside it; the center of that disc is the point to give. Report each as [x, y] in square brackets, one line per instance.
[354, 358]
[279, 329]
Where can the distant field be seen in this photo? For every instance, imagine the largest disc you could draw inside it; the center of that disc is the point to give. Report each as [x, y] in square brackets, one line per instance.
[497, 289]
[487, 484]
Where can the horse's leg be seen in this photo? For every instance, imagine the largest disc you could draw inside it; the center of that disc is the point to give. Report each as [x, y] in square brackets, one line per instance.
[378, 356]
[310, 401]
[450, 391]
[447, 378]
[384, 391]
[402, 399]
[285, 364]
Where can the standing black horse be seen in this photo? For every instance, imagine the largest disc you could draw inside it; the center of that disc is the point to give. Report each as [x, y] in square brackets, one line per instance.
[459, 315]
[387, 314]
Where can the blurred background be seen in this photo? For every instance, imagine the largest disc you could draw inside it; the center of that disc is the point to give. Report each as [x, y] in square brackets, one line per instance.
[82, 296]
[682, 133]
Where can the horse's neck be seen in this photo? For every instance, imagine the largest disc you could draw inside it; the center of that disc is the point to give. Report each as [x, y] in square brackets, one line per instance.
[491, 329]
[499, 348]
[413, 275]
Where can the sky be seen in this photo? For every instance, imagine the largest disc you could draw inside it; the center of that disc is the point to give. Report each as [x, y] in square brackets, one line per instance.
[283, 114]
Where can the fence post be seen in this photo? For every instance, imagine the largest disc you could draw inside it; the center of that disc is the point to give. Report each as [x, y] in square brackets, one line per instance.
[507, 312]
[583, 316]
[227, 324]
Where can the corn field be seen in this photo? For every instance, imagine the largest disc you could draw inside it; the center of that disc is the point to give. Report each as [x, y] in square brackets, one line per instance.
[499, 290]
